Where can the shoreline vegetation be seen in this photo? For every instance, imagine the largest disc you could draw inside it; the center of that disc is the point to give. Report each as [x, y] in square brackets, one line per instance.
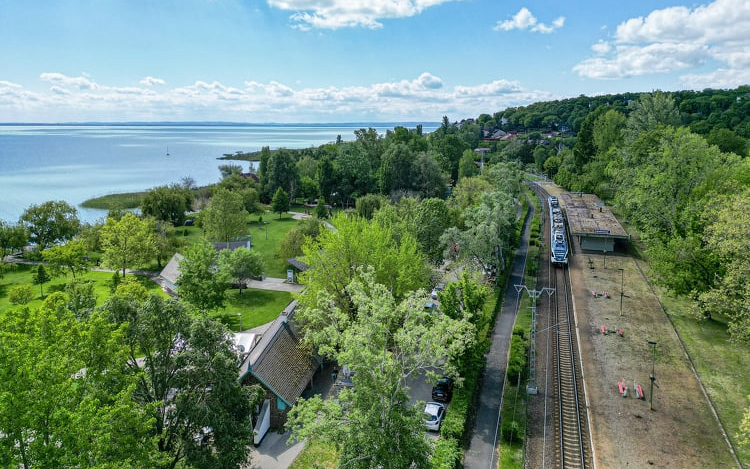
[126, 200]
[242, 156]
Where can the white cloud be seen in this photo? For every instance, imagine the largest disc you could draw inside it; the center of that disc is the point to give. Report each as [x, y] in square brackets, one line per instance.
[335, 14]
[524, 20]
[151, 81]
[678, 38]
[425, 97]
[82, 82]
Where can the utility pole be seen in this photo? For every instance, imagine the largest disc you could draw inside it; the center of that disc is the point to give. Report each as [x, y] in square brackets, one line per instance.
[622, 293]
[653, 375]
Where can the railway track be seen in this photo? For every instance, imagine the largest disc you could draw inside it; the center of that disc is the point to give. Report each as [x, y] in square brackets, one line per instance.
[570, 413]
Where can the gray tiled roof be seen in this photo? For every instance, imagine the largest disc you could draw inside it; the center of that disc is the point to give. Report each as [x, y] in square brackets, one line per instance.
[280, 362]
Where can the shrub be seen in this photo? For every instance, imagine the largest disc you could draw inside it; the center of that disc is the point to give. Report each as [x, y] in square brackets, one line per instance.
[21, 295]
[446, 454]
[511, 431]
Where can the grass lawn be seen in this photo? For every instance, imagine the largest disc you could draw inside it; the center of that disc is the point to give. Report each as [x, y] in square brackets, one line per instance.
[316, 455]
[21, 274]
[266, 239]
[257, 307]
[721, 365]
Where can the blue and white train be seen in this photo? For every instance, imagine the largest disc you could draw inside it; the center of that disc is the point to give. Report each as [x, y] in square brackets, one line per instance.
[558, 238]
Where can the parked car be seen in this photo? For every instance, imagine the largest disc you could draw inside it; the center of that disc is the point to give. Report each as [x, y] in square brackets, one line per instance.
[433, 415]
[443, 390]
[438, 288]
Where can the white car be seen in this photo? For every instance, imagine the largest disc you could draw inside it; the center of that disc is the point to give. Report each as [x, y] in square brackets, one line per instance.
[433, 415]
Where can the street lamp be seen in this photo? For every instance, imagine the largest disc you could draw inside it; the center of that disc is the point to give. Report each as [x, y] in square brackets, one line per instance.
[653, 376]
[622, 280]
[240, 315]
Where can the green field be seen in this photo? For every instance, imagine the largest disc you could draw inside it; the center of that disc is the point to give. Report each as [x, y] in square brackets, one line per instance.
[127, 200]
[21, 274]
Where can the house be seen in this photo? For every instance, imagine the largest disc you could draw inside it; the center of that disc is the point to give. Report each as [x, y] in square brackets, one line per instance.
[282, 366]
[170, 273]
[232, 245]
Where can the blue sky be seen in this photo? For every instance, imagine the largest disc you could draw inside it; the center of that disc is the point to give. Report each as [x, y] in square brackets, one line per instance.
[351, 60]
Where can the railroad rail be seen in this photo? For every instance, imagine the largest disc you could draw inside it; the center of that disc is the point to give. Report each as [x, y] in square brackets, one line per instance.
[570, 413]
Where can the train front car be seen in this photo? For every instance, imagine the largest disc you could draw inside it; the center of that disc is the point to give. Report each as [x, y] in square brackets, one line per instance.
[558, 238]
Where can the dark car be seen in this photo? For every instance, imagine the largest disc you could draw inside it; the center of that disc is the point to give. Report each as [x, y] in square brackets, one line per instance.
[443, 390]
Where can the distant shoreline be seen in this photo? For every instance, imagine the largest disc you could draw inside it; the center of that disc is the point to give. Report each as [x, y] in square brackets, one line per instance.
[220, 124]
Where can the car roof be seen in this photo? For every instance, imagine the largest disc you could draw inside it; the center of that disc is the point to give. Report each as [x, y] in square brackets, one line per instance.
[433, 407]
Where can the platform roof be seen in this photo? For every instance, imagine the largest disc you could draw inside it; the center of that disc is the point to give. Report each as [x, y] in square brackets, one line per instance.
[588, 216]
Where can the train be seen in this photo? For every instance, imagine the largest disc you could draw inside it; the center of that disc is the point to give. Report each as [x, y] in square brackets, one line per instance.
[558, 237]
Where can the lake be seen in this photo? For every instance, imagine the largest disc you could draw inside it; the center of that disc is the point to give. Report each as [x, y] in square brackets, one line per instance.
[77, 162]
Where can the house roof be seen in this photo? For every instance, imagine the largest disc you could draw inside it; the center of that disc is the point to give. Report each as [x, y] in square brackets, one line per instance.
[297, 264]
[171, 271]
[232, 245]
[280, 362]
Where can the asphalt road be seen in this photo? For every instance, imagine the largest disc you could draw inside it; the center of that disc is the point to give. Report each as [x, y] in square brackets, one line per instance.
[481, 453]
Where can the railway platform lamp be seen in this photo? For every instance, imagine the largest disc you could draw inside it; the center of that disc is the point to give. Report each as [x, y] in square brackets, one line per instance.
[622, 283]
[653, 375]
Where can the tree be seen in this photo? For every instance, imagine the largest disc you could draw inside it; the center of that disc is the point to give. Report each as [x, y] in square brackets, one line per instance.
[321, 211]
[335, 256]
[81, 297]
[490, 227]
[200, 282]
[367, 205]
[12, 238]
[65, 398]
[51, 222]
[227, 170]
[225, 217]
[167, 203]
[429, 180]
[432, 219]
[386, 343]
[128, 242]
[649, 112]
[241, 264]
[282, 172]
[187, 370]
[396, 170]
[280, 202]
[467, 166]
[450, 148]
[71, 255]
[21, 294]
[724, 237]
[41, 277]
[291, 244]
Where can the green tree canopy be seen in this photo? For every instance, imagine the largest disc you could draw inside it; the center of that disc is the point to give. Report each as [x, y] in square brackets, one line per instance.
[65, 399]
[51, 222]
[128, 242]
[12, 238]
[280, 202]
[389, 342]
[71, 256]
[201, 283]
[187, 371]
[241, 265]
[335, 256]
[168, 203]
[225, 217]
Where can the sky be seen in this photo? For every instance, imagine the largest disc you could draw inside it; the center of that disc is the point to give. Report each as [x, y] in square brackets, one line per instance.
[321, 61]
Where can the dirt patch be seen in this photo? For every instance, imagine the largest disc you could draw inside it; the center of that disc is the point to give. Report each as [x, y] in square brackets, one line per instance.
[680, 431]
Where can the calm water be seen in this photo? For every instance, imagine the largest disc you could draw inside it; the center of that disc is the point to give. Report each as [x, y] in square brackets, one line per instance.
[75, 163]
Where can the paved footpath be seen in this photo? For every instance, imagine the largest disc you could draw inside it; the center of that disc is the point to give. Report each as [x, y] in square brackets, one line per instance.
[481, 453]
